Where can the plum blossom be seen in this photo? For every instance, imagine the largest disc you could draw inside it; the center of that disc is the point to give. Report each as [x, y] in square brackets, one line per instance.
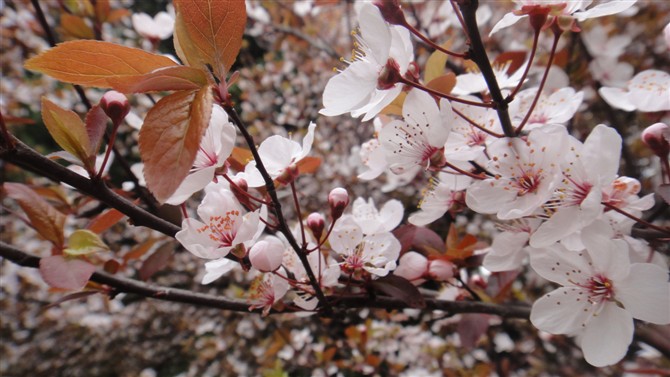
[561, 8]
[156, 28]
[586, 173]
[525, 174]
[280, 156]
[215, 147]
[510, 247]
[266, 291]
[372, 221]
[375, 253]
[365, 87]
[419, 139]
[602, 292]
[443, 192]
[556, 108]
[648, 91]
[474, 82]
[225, 225]
[465, 142]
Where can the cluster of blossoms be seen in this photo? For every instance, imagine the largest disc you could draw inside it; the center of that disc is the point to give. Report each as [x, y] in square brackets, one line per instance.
[559, 201]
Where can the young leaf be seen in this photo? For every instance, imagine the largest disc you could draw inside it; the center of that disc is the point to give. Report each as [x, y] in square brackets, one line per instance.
[92, 63]
[46, 220]
[401, 289]
[170, 138]
[63, 273]
[215, 29]
[436, 62]
[96, 123]
[443, 84]
[84, 242]
[68, 131]
[156, 261]
[239, 158]
[105, 220]
[309, 165]
[76, 27]
[168, 78]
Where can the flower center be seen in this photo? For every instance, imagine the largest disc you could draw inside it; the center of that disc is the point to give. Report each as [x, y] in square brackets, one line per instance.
[600, 289]
[527, 183]
[222, 229]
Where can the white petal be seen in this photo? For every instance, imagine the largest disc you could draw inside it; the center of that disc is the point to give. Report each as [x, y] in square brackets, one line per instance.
[485, 197]
[375, 32]
[507, 252]
[199, 243]
[560, 312]
[194, 182]
[607, 336]
[350, 89]
[307, 142]
[346, 236]
[609, 256]
[508, 20]
[617, 98]
[645, 293]
[606, 165]
[391, 215]
[604, 9]
[560, 265]
[216, 269]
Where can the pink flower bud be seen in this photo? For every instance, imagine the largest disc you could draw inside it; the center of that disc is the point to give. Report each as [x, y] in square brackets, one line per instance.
[266, 255]
[338, 199]
[316, 223]
[440, 270]
[666, 34]
[391, 11]
[115, 105]
[412, 266]
[657, 138]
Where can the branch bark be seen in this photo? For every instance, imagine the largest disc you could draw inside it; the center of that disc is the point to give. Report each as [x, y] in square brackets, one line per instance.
[19, 154]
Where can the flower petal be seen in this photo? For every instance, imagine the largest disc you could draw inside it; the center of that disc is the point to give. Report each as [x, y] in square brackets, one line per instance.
[645, 293]
[607, 336]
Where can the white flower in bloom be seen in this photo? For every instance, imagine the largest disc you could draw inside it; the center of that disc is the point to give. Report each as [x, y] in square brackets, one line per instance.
[419, 139]
[474, 82]
[465, 142]
[575, 8]
[525, 174]
[510, 247]
[602, 292]
[586, 172]
[267, 290]
[358, 89]
[372, 221]
[376, 253]
[159, 27]
[443, 192]
[279, 154]
[648, 91]
[215, 147]
[225, 225]
[557, 108]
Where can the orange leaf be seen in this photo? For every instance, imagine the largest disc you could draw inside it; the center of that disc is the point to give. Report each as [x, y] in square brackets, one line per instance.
[436, 62]
[170, 138]
[308, 165]
[69, 131]
[117, 14]
[215, 28]
[102, 10]
[92, 63]
[443, 84]
[138, 251]
[76, 27]
[105, 221]
[44, 218]
[168, 78]
[459, 250]
[239, 158]
[515, 60]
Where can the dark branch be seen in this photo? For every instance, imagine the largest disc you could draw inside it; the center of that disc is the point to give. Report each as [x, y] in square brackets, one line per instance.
[25, 157]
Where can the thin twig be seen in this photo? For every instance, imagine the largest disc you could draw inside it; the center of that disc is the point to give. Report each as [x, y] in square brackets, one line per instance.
[276, 206]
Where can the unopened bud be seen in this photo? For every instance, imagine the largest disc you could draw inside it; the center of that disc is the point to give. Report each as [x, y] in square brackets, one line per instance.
[412, 266]
[338, 199]
[240, 189]
[266, 255]
[440, 270]
[657, 138]
[115, 105]
[391, 11]
[316, 223]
